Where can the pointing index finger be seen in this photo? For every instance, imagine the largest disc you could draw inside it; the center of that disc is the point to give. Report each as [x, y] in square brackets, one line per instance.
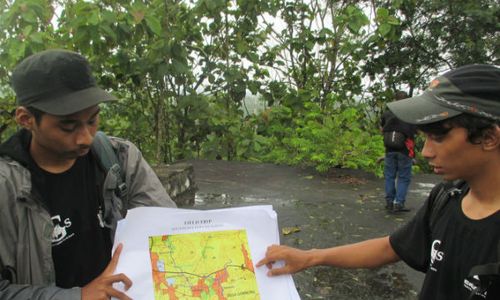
[262, 262]
[269, 258]
[110, 269]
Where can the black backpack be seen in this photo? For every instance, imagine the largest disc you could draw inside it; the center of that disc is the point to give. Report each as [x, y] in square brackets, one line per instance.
[485, 277]
[108, 162]
[394, 140]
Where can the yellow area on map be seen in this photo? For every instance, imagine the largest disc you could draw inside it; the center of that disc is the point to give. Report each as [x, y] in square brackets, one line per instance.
[205, 265]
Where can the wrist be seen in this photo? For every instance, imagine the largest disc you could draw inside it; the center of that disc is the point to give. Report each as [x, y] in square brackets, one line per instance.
[314, 257]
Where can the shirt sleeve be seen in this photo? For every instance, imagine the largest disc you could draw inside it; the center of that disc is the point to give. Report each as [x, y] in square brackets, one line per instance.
[412, 241]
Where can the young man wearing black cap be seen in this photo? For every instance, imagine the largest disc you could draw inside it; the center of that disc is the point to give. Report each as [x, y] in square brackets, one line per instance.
[454, 238]
[58, 206]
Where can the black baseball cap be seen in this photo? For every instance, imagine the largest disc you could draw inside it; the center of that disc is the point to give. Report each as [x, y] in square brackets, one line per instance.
[58, 82]
[471, 89]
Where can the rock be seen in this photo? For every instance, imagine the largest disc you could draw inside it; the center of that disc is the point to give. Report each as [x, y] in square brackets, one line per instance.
[178, 180]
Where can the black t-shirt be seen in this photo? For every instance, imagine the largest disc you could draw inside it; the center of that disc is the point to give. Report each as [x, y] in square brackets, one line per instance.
[81, 246]
[448, 251]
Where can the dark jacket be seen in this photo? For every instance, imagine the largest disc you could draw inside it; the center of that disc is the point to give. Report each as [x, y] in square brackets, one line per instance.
[26, 227]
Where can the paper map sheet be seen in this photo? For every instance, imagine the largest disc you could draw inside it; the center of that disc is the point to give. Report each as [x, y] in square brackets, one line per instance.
[192, 254]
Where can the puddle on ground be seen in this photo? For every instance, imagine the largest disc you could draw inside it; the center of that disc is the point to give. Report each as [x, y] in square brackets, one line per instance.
[423, 189]
[226, 200]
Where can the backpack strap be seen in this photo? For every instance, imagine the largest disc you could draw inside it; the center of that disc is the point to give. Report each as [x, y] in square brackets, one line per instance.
[492, 269]
[444, 194]
[486, 278]
[108, 160]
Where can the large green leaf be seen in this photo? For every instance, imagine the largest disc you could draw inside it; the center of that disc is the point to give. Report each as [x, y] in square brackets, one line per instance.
[154, 24]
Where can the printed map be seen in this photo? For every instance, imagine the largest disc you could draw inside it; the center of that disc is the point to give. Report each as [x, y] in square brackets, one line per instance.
[204, 265]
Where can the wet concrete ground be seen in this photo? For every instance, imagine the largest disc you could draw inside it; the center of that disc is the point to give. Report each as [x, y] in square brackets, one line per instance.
[316, 212]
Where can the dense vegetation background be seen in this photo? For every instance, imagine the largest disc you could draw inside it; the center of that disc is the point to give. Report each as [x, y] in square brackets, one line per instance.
[323, 69]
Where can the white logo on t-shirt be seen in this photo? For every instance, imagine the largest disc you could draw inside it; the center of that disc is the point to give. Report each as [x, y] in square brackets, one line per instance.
[59, 235]
[472, 287]
[436, 255]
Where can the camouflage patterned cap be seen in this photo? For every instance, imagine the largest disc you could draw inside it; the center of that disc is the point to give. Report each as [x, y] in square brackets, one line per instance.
[472, 89]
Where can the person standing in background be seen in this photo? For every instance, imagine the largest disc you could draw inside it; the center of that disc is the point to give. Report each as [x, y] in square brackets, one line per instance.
[399, 142]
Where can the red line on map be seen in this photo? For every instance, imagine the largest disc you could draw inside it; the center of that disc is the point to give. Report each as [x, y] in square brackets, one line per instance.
[248, 261]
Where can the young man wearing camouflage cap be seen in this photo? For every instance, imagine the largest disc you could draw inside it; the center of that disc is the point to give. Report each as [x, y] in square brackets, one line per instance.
[454, 237]
[58, 206]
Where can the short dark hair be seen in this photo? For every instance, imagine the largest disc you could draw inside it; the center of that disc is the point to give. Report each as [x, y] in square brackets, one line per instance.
[400, 95]
[477, 127]
[38, 114]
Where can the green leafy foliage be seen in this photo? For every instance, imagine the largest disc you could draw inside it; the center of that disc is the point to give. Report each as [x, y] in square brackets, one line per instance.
[324, 141]
[183, 69]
